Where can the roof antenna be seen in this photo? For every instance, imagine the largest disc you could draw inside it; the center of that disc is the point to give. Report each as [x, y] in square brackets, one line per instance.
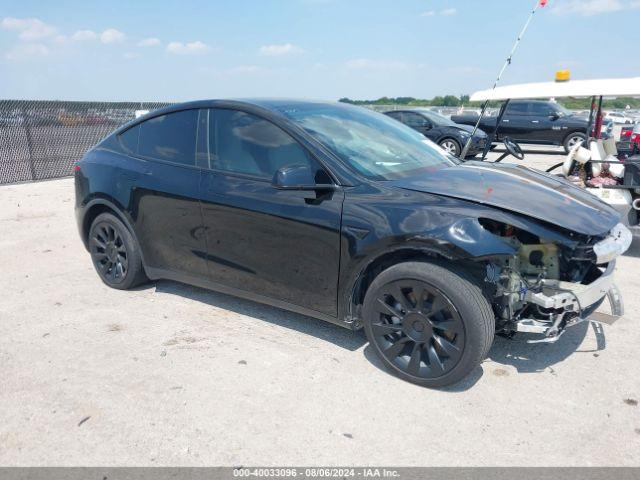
[539, 3]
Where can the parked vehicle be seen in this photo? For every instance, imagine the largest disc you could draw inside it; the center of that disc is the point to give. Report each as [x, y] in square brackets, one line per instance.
[625, 138]
[534, 122]
[634, 139]
[449, 135]
[344, 214]
[595, 164]
[618, 118]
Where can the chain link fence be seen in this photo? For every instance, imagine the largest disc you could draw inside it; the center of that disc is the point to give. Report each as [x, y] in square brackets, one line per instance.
[43, 139]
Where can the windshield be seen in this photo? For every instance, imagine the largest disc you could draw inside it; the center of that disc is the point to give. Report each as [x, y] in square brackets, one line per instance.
[438, 119]
[563, 110]
[375, 145]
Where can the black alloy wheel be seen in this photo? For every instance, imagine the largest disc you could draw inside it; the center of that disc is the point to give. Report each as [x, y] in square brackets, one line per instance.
[418, 329]
[109, 252]
[115, 253]
[429, 323]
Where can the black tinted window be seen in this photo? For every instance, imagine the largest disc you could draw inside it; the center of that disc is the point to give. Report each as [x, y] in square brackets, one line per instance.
[248, 144]
[542, 109]
[518, 108]
[396, 115]
[129, 139]
[414, 120]
[170, 137]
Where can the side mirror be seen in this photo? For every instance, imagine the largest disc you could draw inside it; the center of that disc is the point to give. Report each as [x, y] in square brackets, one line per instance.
[297, 177]
[553, 117]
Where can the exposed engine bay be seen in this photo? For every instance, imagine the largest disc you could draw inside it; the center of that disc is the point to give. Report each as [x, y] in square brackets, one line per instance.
[545, 287]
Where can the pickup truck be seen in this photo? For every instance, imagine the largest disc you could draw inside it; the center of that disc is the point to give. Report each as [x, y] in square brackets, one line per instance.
[533, 121]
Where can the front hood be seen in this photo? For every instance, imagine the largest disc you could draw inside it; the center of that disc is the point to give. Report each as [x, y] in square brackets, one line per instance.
[468, 129]
[521, 190]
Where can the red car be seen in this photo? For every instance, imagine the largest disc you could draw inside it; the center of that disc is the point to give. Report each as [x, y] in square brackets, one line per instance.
[631, 135]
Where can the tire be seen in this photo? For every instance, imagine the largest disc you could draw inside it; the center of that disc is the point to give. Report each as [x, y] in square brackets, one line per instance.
[115, 253]
[451, 145]
[570, 140]
[437, 341]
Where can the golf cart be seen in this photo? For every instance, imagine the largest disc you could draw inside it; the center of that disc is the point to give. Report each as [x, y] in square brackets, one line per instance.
[595, 165]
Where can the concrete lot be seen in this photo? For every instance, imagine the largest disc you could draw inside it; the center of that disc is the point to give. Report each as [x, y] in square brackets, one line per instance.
[174, 375]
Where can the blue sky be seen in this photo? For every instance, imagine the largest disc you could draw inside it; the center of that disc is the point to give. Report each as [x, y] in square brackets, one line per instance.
[181, 50]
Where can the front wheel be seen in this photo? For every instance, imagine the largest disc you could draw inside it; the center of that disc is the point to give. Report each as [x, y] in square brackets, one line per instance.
[451, 146]
[429, 324]
[572, 140]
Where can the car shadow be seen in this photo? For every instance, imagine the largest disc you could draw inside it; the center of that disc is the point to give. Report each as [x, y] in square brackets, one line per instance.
[339, 336]
[524, 357]
[537, 357]
[534, 151]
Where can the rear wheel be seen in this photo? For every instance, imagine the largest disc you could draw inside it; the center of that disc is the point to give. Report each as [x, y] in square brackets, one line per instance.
[429, 324]
[451, 146]
[115, 253]
[572, 139]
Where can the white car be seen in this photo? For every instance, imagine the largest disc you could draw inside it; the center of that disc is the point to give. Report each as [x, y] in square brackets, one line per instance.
[618, 117]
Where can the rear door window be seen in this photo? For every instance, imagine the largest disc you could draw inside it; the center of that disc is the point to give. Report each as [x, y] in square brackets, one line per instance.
[170, 137]
[518, 108]
[541, 109]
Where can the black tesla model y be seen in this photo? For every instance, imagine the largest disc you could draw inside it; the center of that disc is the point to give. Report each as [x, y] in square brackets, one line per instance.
[347, 215]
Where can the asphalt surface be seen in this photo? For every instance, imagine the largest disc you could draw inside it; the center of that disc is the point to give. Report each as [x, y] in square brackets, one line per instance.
[169, 374]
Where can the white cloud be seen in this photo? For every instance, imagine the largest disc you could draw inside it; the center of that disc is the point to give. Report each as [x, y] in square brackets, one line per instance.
[368, 64]
[279, 50]
[30, 28]
[130, 55]
[149, 42]
[26, 50]
[111, 35]
[446, 12]
[588, 8]
[84, 35]
[180, 48]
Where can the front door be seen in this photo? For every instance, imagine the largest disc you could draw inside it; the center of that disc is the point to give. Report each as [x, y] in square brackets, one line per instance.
[282, 244]
[419, 123]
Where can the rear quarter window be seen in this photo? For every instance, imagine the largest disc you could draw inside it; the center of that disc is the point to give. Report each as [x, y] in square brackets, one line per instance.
[129, 139]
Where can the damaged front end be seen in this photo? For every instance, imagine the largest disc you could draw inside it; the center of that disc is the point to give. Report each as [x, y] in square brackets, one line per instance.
[546, 285]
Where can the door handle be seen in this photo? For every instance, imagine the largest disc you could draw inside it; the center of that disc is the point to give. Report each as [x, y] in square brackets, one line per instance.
[506, 121]
[535, 121]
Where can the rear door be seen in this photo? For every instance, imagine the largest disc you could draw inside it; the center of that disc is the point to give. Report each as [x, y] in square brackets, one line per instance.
[281, 244]
[165, 204]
